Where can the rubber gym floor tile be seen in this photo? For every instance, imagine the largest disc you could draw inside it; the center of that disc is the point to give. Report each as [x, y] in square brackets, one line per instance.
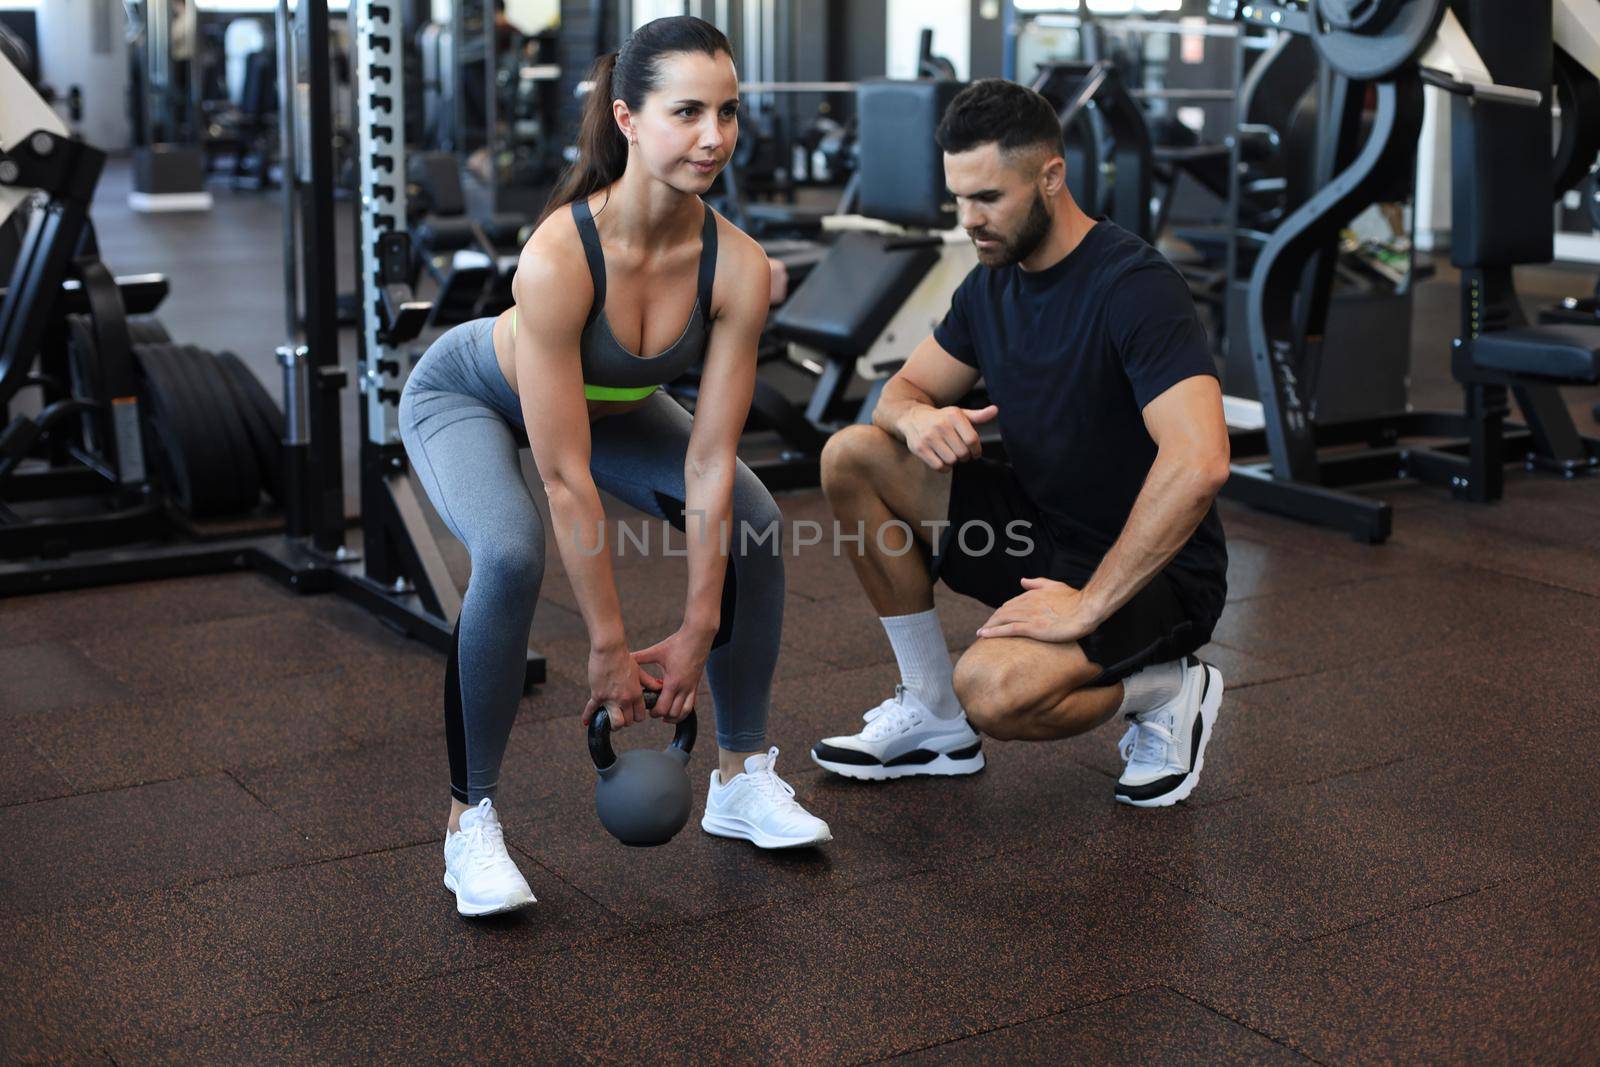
[128, 609]
[1317, 726]
[1577, 494]
[817, 572]
[1503, 975]
[1334, 854]
[1554, 543]
[1150, 1026]
[810, 982]
[695, 874]
[148, 740]
[124, 842]
[842, 632]
[220, 656]
[458, 1018]
[380, 698]
[825, 702]
[77, 979]
[380, 796]
[1331, 628]
[1392, 558]
[25, 774]
[1026, 795]
[1256, 568]
[1243, 669]
[419, 931]
[328, 930]
[558, 698]
[52, 674]
[1535, 793]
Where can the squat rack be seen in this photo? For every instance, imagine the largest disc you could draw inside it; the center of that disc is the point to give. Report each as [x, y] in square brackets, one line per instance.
[399, 572]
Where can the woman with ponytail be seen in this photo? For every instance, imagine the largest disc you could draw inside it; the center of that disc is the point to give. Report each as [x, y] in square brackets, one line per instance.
[628, 281]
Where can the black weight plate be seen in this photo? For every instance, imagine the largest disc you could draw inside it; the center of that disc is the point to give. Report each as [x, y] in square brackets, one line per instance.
[182, 423]
[239, 488]
[262, 420]
[1591, 189]
[1577, 93]
[147, 330]
[173, 439]
[1375, 56]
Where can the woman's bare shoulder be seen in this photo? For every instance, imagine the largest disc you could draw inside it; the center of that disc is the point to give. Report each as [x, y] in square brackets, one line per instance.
[552, 271]
[743, 271]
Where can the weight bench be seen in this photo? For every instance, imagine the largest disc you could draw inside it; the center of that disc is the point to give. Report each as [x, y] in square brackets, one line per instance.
[472, 260]
[842, 310]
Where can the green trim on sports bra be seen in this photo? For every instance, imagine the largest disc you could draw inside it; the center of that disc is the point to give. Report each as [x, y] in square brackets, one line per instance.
[602, 392]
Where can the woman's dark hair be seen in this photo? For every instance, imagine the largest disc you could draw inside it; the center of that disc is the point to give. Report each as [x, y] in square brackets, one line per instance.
[995, 111]
[629, 74]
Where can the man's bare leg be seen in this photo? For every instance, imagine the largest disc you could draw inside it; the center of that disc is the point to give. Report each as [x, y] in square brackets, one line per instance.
[1019, 689]
[871, 478]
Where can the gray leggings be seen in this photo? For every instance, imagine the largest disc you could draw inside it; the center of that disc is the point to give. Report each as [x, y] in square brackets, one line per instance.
[457, 419]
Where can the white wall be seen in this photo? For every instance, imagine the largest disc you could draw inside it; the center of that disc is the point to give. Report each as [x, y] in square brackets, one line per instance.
[649, 10]
[951, 22]
[83, 43]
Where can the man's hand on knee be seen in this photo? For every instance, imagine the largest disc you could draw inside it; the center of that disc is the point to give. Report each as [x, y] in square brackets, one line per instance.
[1047, 610]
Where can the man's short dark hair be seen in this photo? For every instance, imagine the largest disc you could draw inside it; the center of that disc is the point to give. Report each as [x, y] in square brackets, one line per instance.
[996, 111]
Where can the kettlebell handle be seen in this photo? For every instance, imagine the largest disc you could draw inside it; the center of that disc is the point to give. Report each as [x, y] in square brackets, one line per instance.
[604, 755]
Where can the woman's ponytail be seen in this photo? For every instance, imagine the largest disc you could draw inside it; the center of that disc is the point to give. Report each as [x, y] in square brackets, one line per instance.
[602, 149]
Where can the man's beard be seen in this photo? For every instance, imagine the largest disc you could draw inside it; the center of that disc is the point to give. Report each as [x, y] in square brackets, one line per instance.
[1034, 229]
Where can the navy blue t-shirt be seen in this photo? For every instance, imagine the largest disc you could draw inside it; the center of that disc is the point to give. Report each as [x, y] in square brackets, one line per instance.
[1072, 354]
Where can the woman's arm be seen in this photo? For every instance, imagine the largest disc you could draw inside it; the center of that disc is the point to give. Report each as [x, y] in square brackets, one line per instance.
[553, 293]
[727, 383]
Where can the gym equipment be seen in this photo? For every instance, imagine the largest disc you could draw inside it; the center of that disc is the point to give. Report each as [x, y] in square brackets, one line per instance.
[244, 127]
[1105, 140]
[133, 436]
[1497, 129]
[169, 164]
[878, 290]
[399, 572]
[641, 796]
[1585, 310]
[471, 260]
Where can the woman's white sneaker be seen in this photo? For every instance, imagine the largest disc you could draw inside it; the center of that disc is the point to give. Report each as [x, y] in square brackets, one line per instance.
[477, 868]
[1166, 747]
[759, 807]
[903, 738]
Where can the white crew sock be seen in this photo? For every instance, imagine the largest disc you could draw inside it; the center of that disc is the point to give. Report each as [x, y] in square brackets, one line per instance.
[924, 660]
[1152, 687]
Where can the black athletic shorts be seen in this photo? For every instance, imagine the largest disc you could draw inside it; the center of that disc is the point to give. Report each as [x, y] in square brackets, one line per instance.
[1153, 627]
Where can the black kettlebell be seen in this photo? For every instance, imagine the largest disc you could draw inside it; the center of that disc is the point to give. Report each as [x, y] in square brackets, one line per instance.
[641, 796]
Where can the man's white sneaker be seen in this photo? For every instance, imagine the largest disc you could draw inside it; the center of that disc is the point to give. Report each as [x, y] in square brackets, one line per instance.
[1166, 747]
[477, 868]
[758, 806]
[902, 738]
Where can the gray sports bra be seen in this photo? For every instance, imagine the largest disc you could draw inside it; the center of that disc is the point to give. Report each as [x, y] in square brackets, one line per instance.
[610, 371]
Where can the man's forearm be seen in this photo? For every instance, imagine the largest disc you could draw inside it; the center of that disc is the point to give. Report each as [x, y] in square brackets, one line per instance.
[1175, 498]
[898, 397]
